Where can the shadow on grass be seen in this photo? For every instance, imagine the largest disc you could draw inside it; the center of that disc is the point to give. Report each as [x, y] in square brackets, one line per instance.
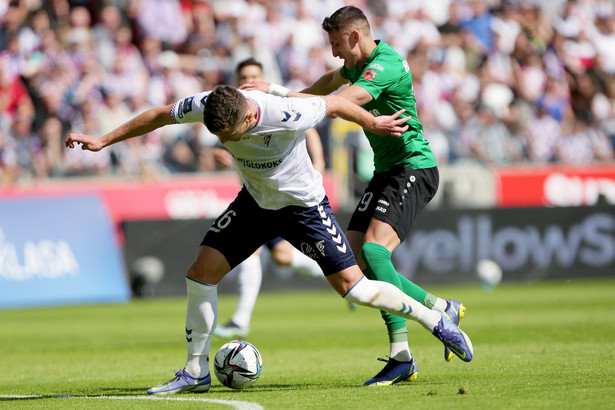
[218, 389]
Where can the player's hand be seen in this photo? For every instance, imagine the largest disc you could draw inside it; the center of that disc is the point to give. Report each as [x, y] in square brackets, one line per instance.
[256, 85]
[391, 124]
[88, 142]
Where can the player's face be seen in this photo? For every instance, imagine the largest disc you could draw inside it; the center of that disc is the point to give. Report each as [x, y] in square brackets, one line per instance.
[344, 44]
[249, 73]
[247, 122]
[233, 134]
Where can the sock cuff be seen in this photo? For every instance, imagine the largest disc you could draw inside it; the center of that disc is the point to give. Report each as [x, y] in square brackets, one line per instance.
[375, 249]
[360, 285]
[430, 300]
[398, 335]
[198, 286]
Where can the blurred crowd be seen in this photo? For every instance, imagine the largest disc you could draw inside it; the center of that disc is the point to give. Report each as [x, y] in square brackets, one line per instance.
[500, 82]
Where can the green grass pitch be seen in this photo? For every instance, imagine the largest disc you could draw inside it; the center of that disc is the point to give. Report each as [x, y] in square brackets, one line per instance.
[540, 345]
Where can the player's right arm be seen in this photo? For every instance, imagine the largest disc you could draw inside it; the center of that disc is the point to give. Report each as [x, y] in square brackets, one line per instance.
[328, 83]
[380, 125]
[325, 85]
[142, 124]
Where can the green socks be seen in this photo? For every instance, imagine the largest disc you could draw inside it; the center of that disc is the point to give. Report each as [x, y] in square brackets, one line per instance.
[380, 267]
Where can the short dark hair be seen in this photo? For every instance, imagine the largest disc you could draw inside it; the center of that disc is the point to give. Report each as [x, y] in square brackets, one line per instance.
[343, 17]
[248, 62]
[224, 108]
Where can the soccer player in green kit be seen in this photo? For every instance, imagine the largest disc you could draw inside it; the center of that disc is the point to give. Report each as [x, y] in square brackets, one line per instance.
[405, 179]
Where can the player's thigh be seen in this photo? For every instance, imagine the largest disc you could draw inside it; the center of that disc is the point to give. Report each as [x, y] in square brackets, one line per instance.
[396, 198]
[316, 233]
[364, 211]
[241, 229]
[356, 240]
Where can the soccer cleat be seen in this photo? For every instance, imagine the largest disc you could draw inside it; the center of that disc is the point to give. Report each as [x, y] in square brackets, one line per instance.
[231, 331]
[394, 372]
[455, 311]
[182, 382]
[454, 338]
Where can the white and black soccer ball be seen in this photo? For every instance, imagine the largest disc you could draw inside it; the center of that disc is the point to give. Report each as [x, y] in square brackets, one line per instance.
[238, 364]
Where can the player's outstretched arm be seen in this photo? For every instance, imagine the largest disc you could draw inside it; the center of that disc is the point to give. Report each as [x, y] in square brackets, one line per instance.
[144, 123]
[326, 84]
[380, 125]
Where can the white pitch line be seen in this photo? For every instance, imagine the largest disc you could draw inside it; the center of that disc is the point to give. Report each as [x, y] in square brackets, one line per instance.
[239, 405]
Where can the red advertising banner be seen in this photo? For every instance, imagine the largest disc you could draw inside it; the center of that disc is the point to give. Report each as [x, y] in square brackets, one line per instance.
[178, 197]
[557, 185]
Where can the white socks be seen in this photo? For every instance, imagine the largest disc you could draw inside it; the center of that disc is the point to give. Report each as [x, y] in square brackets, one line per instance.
[400, 351]
[440, 305]
[387, 297]
[249, 279]
[201, 315]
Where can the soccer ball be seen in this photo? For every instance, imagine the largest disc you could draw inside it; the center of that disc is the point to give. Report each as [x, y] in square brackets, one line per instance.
[238, 364]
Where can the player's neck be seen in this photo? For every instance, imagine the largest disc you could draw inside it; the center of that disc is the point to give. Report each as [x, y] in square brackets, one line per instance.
[367, 46]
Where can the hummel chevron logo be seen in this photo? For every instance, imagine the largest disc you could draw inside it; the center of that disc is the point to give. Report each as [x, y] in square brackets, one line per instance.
[332, 231]
[341, 248]
[326, 222]
[188, 333]
[321, 211]
[406, 309]
[287, 116]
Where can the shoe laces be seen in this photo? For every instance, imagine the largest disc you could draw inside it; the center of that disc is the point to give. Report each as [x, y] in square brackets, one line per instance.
[449, 337]
[178, 375]
[183, 373]
[386, 368]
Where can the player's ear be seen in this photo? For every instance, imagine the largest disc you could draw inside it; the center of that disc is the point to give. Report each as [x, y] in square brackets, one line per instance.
[249, 117]
[355, 35]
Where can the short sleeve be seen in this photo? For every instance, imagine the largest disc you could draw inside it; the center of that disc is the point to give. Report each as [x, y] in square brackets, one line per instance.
[305, 113]
[377, 78]
[189, 109]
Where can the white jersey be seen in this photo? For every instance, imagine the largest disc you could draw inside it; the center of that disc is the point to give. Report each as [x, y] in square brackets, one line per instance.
[272, 158]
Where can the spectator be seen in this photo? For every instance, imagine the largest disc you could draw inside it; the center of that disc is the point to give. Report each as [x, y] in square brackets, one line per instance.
[161, 19]
[57, 60]
[542, 133]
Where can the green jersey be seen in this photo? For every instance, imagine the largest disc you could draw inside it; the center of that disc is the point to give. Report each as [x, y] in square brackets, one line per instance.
[386, 76]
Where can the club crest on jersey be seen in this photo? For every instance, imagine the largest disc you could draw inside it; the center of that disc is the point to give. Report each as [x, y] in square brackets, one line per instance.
[320, 245]
[267, 139]
[369, 75]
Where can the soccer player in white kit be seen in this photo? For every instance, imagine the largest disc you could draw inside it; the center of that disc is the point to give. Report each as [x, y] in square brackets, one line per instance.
[282, 195]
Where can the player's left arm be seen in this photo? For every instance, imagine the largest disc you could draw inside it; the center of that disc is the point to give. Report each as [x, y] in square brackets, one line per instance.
[381, 125]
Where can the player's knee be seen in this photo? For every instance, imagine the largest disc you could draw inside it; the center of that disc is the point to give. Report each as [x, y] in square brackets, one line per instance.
[362, 292]
[373, 252]
[282, 255]
[206, 273]
[194, 272]
[282, 258]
